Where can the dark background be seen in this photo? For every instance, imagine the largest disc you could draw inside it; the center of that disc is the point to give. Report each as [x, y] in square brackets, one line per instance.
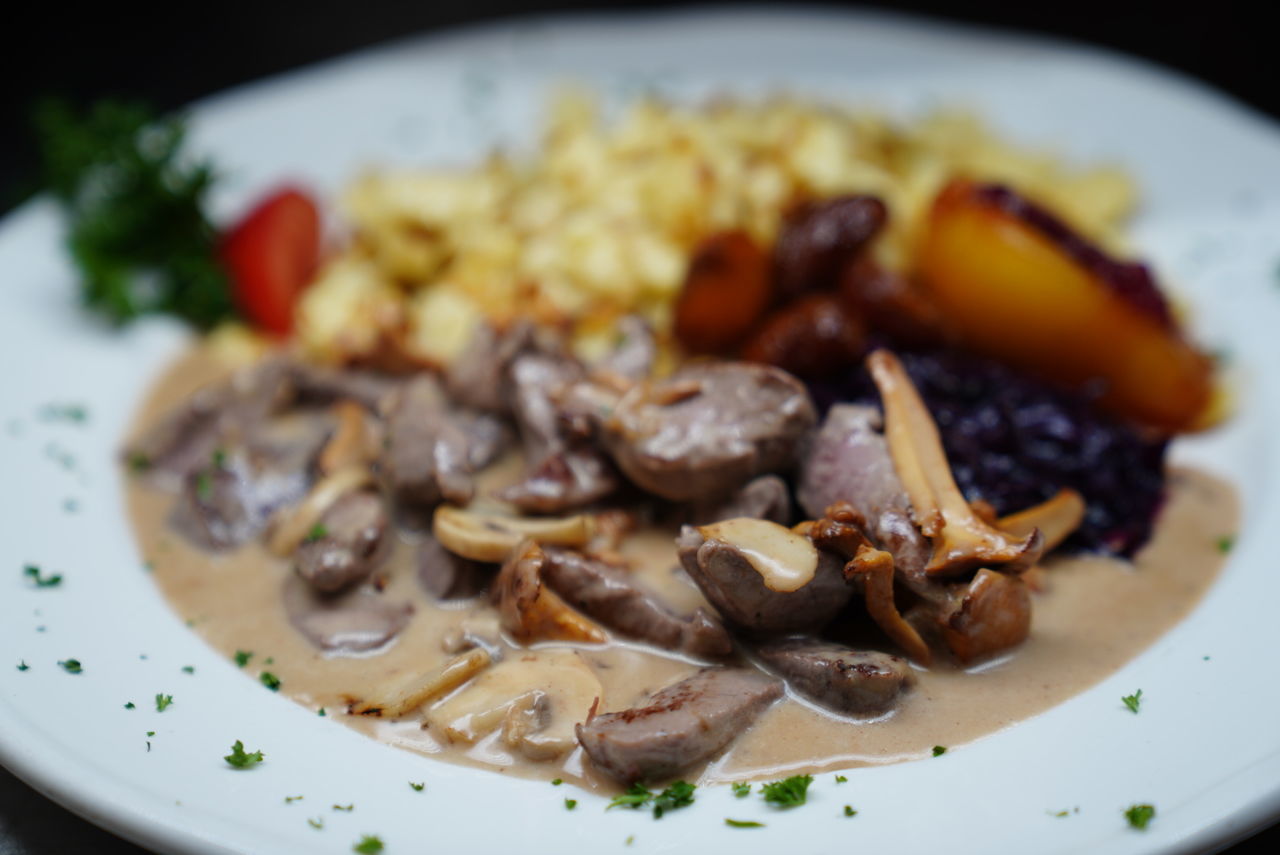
[173, 54]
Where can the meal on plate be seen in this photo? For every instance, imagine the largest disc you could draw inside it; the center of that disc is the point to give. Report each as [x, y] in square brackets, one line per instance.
[719, 443]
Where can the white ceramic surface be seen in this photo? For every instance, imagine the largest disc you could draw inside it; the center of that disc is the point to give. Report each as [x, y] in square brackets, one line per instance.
[1204, 750]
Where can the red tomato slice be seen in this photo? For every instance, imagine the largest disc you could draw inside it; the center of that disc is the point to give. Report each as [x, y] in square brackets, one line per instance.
[271, 255]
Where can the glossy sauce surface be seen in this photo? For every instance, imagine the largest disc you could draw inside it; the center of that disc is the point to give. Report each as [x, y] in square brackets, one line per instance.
[1092, 615]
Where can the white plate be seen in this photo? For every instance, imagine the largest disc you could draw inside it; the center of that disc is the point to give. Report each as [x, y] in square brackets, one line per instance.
[1204, 750]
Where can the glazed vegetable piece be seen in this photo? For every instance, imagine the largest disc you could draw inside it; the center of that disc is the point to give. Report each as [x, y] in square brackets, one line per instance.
[818, 238]
[726, 291]
[813, 337]
[1015, 283]
[271, 255]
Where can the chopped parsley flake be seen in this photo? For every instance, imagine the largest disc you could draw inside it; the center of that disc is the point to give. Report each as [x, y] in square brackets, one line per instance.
[1133, 701]
[939, 750]
[77, 413]
[1140, 816]
[320, 712]
[1225, 543]
[347, 808]
[678, 795]
[242, 657]
[138, 462]
[555, 782]
[317, 823]
[367, 845]
[130, 706]
[151, 733]
[841, 779]
[743, 823]
[741, 789]
[849, 811]
[789, 792]
[271, 681]
[291, 799]
[188, 669]
[570, 804]
[317, 532]
[418, 787]
[23, 666]
[219, 458]
[33, 573]
[71, 666]
[241, 759]
[204, 485]
[163, 702]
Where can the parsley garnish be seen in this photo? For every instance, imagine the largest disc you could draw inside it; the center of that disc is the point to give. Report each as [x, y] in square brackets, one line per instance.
[346, 808]
[271, 681]
[130, 706]
[320, 712]
[740, 790]
[367, 845]
[151, 733]
[134, 203]
[1133, 701]
[138, 462]
[188, 669]
[849, 811]
[1140, 816]
[317, 823]
[71, 666]
[241, 759]
[841, 779]
[291, 799]
[789, 792]
[242, 657]
[163, 702]
[23, 666]
[317, 531]
[570, 804]
[1225, 543]
[678, 795]
[939, 750]
[32, 572]
[418, 787]
[555, 782]
[77, 413]
[743, 823]
[204, 485]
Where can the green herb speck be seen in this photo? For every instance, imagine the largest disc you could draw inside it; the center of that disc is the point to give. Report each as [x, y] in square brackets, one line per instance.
[271, 681]
[368, 844]
[743, 823]
[418, 787]
[1140, 816]
[32, 572]
[789, 792]
[939, 750]
[741, 790]
[71, 666]
[1133, 701]
[163, 702]
[241, 759]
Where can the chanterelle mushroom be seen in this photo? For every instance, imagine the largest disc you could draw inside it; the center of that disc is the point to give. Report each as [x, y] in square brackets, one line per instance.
[962, 540]
[530, 610]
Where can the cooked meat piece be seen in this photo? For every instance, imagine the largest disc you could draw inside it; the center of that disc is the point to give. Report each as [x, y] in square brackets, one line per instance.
[220, 414]
[228, 501]
[564, 473]
[634, 355]
[478, 377]
[848, 461]
[487, 436]
[763, 498]
[348, 543]
[680, 726]
[733, 585]
[708, 428]
[819, 238]
[323, 385]
[611, 596]
[358, 620]
[446, 576]
[428, 453]
[846, 681]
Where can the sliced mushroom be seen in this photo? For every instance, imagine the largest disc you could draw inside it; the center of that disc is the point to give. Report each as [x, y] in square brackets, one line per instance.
[288, 530]
[992, 615]
[1055, 519]
[353, 443]
[537, 699]
[417, 689]
[962, 541]
[530, 610]
[490, 537]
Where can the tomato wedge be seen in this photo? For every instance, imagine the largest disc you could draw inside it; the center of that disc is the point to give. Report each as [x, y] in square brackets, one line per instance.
[271, 255]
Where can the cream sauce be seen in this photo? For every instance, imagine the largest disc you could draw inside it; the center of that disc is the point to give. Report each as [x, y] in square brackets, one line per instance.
[1091, 616]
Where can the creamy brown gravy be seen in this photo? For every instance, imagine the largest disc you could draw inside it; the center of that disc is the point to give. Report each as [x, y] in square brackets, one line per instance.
[1093, 615]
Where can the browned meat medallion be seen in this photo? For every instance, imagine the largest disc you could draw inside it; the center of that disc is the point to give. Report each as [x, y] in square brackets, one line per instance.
[731, 562]
[846, 681]
[680, 726]
[708, 429]
[347, 543]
